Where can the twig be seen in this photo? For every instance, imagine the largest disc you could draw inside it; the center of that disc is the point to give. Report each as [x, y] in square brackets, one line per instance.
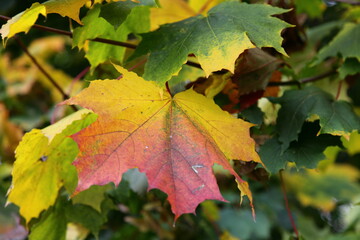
[77, 78]
[67, 33]
[302, 81]
[47, 75]
[102, 40]
[315, 78]
[287, 205]
[190, 63]
[354, 3]
[338, 90]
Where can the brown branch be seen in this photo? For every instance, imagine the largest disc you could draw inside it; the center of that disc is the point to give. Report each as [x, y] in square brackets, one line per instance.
[102, 40]
[283, 188]
[190, 63]
[67, 33]
[47, 75]
[315, 78]
[302, 81]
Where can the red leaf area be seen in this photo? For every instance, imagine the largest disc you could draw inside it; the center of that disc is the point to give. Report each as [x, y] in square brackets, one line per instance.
[175, 141]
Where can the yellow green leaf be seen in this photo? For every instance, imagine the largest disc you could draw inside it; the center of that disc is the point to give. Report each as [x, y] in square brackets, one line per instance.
[22, 22]
[170, 11]
[43, 165]
[66, 8]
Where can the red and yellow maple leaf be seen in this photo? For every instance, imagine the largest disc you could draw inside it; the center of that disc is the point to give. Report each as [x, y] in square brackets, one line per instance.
[175, 141]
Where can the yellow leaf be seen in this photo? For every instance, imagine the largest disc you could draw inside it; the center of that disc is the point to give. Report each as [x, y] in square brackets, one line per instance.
[66, 8]
[22, 22]
[169, 12]
[43, 165]
[353, 143]
[202, 6]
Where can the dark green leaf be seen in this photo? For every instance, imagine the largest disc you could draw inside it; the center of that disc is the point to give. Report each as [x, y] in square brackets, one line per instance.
[336, 117]
[117, 12]
[306, 152]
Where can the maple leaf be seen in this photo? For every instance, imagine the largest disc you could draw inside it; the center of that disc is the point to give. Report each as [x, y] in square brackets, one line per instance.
[170, 11]
[351, 66]
[216, 40]
[43, 165]
[176, 10]
[116, 13]
[336, 117]
[253, 70]
[344, 43]
[23, 21]
[306, 152]
[173, 140]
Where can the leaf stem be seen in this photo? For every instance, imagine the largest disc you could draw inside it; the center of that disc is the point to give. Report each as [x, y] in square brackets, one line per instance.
[338, 90]
[168, 88]
[283, 188]
[47, 75]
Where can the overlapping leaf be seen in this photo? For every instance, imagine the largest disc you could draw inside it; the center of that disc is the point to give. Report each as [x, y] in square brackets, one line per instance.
[346, 46]
[173, 140]
[170, 11]
[216, 40]
[344, 43]
[24, 20]
[306, 152]
[253, 70]
[43, 165]
[336, 117]
[135, 21]
[54, 222]
[116, 13]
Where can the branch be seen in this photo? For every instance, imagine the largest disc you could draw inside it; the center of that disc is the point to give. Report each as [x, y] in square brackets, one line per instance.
[47, 75]
[287, 205]
[190, 63]
[302, 81]
[315, 78]
[102, 40]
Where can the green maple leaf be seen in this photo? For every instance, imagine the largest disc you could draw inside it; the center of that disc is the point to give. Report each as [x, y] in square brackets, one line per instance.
[52, 225]
[116, 13]
[344, 43]
[136, 21]
[216, 40]
[43, 165]
[336, 117]
[350, 66]
[306, 152]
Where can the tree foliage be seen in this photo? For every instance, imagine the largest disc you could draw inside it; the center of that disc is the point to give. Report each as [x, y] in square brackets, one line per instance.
[147, 111]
